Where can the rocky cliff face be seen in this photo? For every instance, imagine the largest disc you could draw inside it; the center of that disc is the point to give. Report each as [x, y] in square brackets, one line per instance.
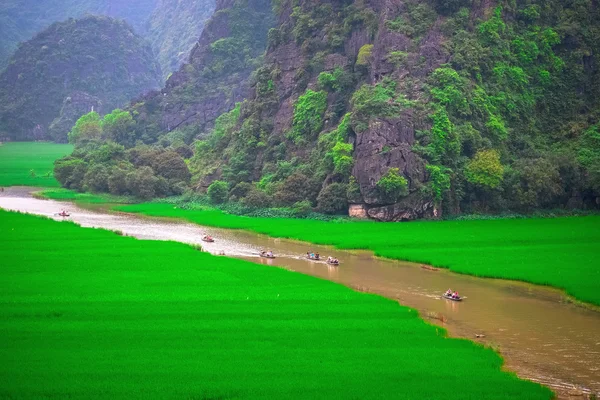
[445, 105]
[216, 75]
[73, 65]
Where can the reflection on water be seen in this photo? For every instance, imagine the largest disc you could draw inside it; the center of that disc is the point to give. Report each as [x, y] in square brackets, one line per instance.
[541, 337]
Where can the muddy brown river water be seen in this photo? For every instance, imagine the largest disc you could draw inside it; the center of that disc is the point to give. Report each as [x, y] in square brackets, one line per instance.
[542, 336]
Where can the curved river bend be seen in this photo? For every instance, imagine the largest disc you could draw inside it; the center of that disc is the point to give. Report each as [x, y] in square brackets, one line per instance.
[542, 337]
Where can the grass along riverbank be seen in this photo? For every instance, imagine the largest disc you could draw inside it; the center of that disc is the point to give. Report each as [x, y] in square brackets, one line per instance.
[30, 163]
[60, 194]
[559, 252]
[89, 314]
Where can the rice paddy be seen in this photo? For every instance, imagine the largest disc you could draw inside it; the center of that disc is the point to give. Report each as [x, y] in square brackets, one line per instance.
[30, 163]
[87, 314]
[558, 252]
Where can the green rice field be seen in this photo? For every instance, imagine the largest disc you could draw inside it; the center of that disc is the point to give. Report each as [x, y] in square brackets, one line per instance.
[88, 314]
[30, 163]
[559, 252]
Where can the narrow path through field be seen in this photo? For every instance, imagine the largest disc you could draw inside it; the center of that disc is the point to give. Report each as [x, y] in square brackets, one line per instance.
[542, 337]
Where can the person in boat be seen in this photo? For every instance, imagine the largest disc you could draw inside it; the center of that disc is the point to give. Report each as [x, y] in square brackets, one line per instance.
[312, 255]
[269, 253]
[317, 256]
[448, 292]
[307, 254]
[329, 259]
[455, 295]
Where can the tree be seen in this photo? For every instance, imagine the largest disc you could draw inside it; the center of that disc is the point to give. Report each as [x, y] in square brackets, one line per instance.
[96, 178]
[392, 186]
[217, 192]
[535, 183]
[87, 128]
[256, 198]
[142, 183]
[69, 171]
[117, 181]
[120, 127]
[171, 166]
[240, 190]
[332, 199]
[295, 188]
[485, 169]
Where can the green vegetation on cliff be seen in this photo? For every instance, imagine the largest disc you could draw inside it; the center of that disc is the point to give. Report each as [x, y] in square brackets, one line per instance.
[559, 252]
[93, 56]
[200, 326]
[480, 107]
[30, 164]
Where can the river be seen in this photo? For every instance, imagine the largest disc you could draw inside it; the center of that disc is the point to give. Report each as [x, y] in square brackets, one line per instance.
[542, 336]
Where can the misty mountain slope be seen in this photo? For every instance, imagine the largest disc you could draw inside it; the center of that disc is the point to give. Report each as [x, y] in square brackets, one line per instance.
[68, 68]
[173, 26]
[20, 20]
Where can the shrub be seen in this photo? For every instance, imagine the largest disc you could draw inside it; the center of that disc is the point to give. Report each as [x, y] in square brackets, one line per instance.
[364, 55]
[302, 208]
[217, 192]
[333, 199]
[256, 198]
[295, 188]
[485, 169]
[240, 190]
[308, 115]
[353, 191]
[142, 183]
[392, 186]
[170, 165]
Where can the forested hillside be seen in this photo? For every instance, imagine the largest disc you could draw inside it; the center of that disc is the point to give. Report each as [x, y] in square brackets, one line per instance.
[404, 109]
[68, 69]
[172, 26]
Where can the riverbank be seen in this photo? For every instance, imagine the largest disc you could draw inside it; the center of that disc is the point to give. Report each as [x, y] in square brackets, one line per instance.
[558, 252]
[30, 163]
[137, 309]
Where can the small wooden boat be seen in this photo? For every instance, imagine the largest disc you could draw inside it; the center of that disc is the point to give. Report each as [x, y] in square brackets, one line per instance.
[313, 258]
[64, 214]
[207, 239]
[265, 255]
[333, 262]
[452, 298]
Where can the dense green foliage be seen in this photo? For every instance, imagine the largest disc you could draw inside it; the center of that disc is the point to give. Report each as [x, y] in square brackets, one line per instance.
[200, 326]
[98, 56]
[560, 252]
[99, 163]
[30, 164]
[522, 83]
[503, 115]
